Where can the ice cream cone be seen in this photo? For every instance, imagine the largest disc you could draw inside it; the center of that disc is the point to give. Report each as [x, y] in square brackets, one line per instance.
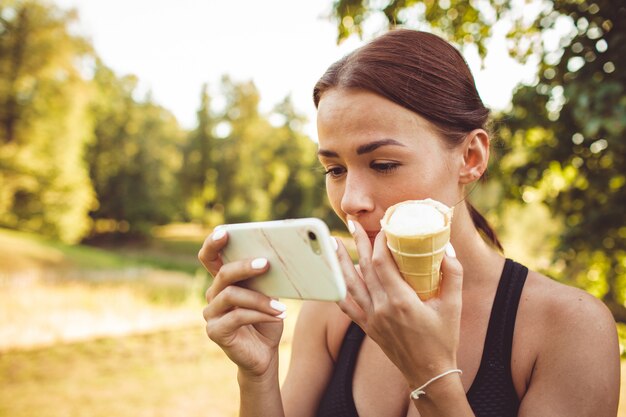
[418, 254]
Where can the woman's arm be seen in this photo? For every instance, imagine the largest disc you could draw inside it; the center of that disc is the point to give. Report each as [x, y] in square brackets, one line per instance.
[311, 363]
[247, 325]
[577, 370]
[260, 396]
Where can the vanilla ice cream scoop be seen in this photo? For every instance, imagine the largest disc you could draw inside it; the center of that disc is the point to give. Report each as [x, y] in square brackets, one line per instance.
[415, 219]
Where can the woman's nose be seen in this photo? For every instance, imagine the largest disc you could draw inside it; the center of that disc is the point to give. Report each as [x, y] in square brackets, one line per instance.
[357, 196]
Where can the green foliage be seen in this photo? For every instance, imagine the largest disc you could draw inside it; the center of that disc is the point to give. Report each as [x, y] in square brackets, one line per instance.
[198, 174]
[81, 155]
[578, 164]
[563, 137]
[134, 158]
[26, 251]
[459, 20]
[44, 185]
[242, 165]
[302, 191]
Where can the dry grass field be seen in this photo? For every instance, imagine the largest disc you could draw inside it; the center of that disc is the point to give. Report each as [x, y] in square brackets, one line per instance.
[176, 372]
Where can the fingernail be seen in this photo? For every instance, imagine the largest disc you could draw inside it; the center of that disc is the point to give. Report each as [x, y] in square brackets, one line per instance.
[335, 244]
[282, 315]
[351, 227]
[277, 305]
[450, 250]
[218, 234]
[258, 263]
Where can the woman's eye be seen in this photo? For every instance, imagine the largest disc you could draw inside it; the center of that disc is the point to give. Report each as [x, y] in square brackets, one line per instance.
[335, 172]
[385, 167]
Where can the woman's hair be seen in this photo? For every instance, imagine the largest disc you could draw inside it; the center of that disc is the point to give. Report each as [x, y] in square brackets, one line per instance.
[424, 74]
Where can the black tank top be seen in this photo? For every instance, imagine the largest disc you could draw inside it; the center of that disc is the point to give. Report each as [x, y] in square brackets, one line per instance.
[492, 393]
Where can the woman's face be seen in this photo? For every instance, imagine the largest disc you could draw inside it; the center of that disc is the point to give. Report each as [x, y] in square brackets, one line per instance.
[377, 153]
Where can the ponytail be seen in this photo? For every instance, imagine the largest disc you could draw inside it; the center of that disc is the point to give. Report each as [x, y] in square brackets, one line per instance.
[483, 227]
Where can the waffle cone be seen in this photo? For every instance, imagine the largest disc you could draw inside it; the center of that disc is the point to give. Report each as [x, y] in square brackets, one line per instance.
[419, 256]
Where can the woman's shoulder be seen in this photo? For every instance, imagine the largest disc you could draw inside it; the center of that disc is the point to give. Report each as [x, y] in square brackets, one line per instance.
[559, 312]
[560, 301]
[327, 317]
[567, 349]
[320, 311]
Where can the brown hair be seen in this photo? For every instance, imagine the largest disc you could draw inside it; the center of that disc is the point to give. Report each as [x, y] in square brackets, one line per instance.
[424, 74]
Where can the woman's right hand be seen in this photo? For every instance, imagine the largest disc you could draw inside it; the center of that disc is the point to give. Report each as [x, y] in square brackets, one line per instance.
[246, 324]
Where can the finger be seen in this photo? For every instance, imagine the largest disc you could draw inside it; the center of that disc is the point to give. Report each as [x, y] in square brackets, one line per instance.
[209, 254]
[222, 330]
[364, 249]
[451, 281]
[355, 286]
[353, 310]
[238, 297]
[234, 272]
[387, 270]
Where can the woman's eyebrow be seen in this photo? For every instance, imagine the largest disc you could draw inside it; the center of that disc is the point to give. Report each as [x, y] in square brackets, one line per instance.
[327, 153]
[372, 146]
[366, 148]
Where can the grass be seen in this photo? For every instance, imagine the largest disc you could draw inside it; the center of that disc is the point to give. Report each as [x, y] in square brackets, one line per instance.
[170, 373]
[52, 292]
[41, 312]
[24, 251]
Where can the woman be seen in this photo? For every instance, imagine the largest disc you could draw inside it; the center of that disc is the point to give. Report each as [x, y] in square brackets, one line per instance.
[400, 119]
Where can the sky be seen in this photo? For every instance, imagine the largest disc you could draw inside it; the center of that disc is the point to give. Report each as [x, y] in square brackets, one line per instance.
[284, 46]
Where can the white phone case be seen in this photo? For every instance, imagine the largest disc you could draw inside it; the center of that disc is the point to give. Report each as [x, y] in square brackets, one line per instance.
[302, 257]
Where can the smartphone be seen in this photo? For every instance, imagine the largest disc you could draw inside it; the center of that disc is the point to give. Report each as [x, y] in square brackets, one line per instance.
[301, 253]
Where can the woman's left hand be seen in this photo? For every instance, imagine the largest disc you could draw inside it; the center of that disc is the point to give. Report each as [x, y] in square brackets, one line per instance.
[420, 338]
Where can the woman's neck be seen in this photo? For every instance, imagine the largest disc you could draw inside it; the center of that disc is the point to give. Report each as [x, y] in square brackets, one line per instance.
[482, 263]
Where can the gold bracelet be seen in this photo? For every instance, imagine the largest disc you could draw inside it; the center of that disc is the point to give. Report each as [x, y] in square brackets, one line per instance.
[415, 394]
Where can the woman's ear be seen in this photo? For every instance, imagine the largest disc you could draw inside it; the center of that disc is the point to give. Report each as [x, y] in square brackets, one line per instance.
[475, 156]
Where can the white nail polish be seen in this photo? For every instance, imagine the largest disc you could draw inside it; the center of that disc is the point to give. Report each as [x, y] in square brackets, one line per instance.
[277, 305]
[351, 227]
[335, 244]
[282, 315]
[450, 250]
[218, 234]
[258, 263]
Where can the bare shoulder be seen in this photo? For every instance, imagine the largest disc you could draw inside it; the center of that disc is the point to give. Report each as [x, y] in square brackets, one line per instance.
[560, 321]
[574, 365]
[318, 314]
[560, 309]
[327, 319]
[314, 308]
[312, 359]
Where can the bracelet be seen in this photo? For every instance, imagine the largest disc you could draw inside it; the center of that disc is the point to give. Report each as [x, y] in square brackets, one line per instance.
[420, 391]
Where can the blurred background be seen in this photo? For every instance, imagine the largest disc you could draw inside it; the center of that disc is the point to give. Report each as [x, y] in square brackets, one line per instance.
[130, 128]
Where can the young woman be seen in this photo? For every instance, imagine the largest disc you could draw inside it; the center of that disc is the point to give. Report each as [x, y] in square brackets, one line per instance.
[400, 119]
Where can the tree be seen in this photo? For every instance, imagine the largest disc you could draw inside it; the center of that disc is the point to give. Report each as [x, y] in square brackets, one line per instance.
[572, 125]
[258, 166]
[134, 159]
[565, 132]
[240, 155]
[44, 186]
[302, 190]
[198, 174]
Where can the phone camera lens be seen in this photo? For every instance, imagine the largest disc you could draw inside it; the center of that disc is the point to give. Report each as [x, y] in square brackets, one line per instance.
[312, 236]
